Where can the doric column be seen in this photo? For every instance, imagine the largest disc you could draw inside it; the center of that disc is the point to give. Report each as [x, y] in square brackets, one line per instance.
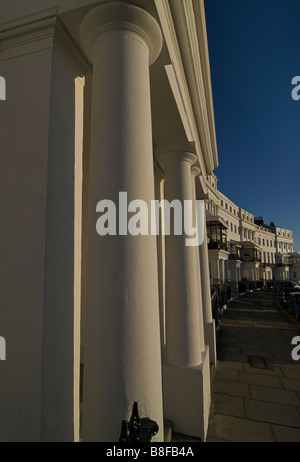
[222, 270]
[216, 264]
[122, 358]
[205, 292]
[184, 342]
[159, 195]
[209, 322]
[186, 382]
[195, 173]
[205, 283]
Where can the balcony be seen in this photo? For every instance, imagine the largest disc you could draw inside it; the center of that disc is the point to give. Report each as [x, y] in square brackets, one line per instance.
[217, 234]
[218, 245]
[249, 258]
[250, 252]
[234, 256]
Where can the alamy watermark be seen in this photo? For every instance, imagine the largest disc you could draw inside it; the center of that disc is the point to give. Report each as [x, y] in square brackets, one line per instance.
[2, 98]
[296, 350]
[2, 349]
[296, 89]
[187, 220]
[2, 89]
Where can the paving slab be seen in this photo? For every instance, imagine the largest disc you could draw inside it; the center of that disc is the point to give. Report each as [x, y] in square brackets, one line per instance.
[286, 434]
[229, 405]
[260, 379]
[291, 384]
[274, 395]
[291, 373]
[256, 390]
[231, 387]
[272, 412]
[230, 365]
[234, 429]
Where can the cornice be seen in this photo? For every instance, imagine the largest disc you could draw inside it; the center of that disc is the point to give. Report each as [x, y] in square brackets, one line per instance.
[27, 23]
[199, 11]
[177, 78]
[36, 32]
[195, 79]
[184, 29]
[190, 43]
[22, 34]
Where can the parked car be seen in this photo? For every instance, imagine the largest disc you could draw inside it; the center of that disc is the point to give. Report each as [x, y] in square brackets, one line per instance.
[288, 287]
[293, 303]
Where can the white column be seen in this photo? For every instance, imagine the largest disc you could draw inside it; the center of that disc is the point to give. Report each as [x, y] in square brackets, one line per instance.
[209, 323]
[184, 342]
[195, 172]
[226, 270]
[159, 195]
[122, 361]
[217, 274]
[221, 271]
[205, 282]
[186, 372]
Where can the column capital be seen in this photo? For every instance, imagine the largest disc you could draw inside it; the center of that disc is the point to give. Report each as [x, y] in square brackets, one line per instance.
[195, 171]
[120, 16]
[185, 152]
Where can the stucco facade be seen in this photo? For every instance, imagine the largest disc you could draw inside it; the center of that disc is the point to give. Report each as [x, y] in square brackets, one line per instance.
[102, 97]
[243, 247]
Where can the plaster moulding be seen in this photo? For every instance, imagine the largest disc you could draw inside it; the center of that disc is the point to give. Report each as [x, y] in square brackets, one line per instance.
[125, 16]
[179, 77]
[20, 37]
[176, 152]
[187, 45]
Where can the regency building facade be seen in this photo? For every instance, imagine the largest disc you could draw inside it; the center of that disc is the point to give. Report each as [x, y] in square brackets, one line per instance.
[102, 97]
[243, 247]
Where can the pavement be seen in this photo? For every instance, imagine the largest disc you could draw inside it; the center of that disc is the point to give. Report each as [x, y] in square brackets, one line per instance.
[256, 388]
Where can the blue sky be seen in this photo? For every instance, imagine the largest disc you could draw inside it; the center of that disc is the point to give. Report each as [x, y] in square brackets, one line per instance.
[254, 48]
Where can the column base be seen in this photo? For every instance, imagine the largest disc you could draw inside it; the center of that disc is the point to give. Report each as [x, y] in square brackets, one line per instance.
[210, 340]
[187, 397]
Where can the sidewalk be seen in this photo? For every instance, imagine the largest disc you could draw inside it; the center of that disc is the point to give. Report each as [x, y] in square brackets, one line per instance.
[256, 391]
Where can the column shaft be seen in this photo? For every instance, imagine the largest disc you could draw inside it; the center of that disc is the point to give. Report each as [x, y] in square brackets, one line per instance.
[184, 342]
[205, 282]
[195, 173]
[122, 361]
[209, 322]
[186, 375]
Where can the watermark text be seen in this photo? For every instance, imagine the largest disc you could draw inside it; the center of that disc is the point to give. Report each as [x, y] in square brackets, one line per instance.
[296, 89]
[188, 220]
[2, 349]
[2, 89]
[296, 349]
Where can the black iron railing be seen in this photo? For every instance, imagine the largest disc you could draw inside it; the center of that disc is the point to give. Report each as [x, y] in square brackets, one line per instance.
[137, 430]
[218, 245]
[220, 295]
